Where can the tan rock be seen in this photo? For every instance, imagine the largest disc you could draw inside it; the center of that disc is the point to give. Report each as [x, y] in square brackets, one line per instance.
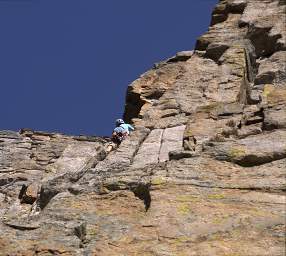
[30, 193]
[202, 174]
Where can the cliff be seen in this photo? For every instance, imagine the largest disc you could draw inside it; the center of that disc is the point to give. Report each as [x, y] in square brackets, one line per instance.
[203, 173]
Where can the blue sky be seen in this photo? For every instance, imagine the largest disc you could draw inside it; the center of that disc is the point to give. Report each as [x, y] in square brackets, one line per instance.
[65, 64]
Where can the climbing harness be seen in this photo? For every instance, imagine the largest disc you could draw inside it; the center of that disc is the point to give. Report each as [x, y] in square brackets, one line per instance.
[118, 137]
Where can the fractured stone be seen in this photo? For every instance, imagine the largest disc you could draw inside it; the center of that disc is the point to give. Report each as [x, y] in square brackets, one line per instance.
[149, 151]
[172, 140]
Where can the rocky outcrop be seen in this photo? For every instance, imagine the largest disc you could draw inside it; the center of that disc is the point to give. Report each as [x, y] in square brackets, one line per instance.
[203, 173]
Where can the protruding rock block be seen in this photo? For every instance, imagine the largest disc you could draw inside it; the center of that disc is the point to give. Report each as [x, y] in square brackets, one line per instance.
[272, 70]
[266, 28]
[29, 194]
[179, 154]
[215, 50]
[149, 151]
[172, 140]
[253, 150]
[275, 118]
[181, 56]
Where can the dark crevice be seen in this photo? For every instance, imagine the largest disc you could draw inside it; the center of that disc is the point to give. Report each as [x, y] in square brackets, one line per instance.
[142, 191]
[222, 9]
[24, 197]
[178, 58]
[258, 118]
[46, 196]
[244, 89]
[254, 121]
[133, 106]
[236, 8]
[161, 144]
[250, 60]
[155, 94]
[20, 227]
[7, 181]
[265, 44]
[266, 78]
[215, 51]
[22, 191]
[257, 189]
[254, 160]
[226, 114]
[80, 232]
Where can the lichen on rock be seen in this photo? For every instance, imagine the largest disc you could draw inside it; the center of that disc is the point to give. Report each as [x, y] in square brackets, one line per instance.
[203, 173]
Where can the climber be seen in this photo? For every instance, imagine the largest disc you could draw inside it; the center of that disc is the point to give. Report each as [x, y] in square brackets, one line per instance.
[118, 135]
[120, 132]
[127, 127]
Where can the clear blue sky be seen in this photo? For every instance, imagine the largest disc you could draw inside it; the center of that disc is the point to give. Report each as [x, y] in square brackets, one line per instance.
[65, 64]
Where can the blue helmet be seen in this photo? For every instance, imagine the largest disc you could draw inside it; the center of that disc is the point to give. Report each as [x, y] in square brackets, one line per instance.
[119, 122]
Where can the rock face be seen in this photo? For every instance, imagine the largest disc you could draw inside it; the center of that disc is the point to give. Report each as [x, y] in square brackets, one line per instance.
[203, 173]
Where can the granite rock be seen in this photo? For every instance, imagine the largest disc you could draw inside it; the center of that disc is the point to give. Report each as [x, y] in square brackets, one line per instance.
[202, 174]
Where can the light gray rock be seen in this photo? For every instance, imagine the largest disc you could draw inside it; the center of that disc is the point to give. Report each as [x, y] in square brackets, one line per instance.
[266, 29]
[275, 118]
[150, 150]
[272, 70]
[222, 194]
[172, 140]
[250, 151]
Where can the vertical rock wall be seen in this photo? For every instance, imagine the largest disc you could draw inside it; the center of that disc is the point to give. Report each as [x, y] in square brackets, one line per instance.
[203, 174]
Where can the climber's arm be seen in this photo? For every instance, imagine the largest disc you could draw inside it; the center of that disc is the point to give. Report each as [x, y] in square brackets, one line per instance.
[130, 127]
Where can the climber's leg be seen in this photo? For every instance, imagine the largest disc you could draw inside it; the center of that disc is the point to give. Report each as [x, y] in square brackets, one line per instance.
[111, 146]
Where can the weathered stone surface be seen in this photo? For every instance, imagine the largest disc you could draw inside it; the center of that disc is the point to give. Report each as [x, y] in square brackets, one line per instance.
[266, 26]
[150, 149]
[248, 152]
[181, 56]
[172, 139]
[214, 51]
[274, 118]
[202, 174]
[179, 154]
[272, 70]
[29, 194]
